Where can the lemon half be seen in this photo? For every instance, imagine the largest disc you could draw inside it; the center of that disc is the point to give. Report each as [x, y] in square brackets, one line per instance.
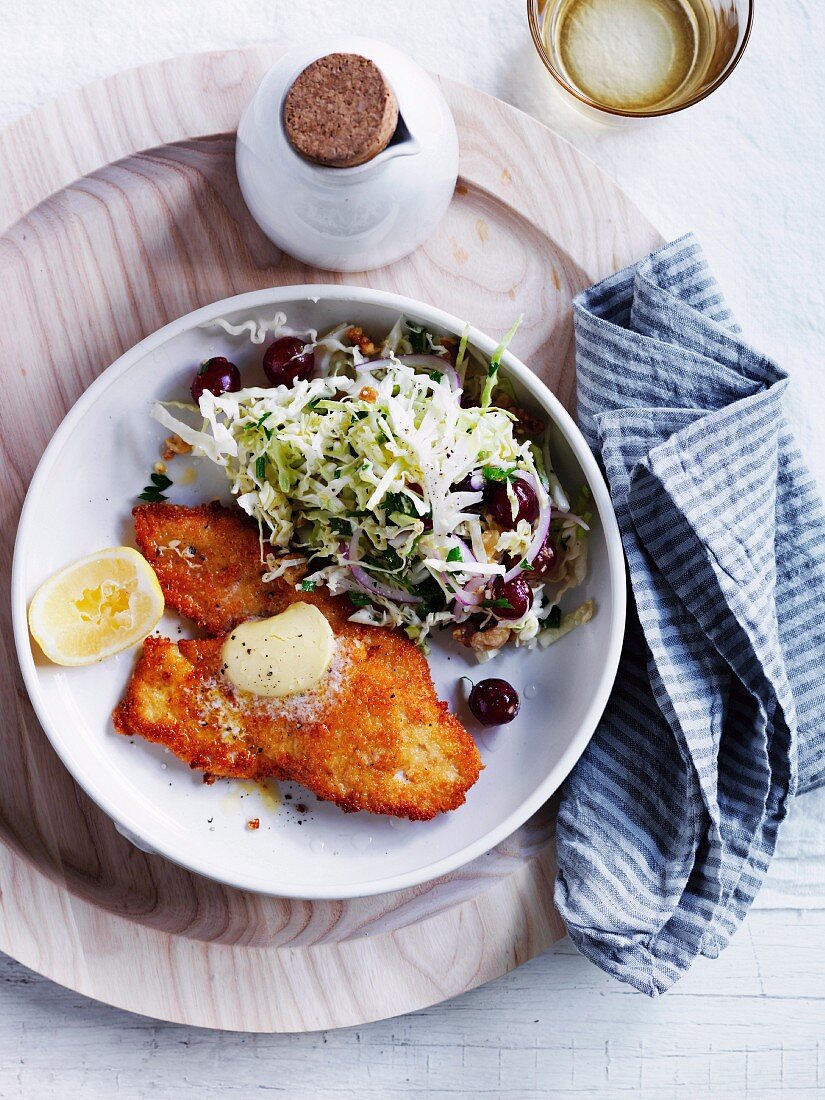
[96, 607]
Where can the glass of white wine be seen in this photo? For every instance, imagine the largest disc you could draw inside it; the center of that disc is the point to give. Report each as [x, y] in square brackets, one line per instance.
[639, 58]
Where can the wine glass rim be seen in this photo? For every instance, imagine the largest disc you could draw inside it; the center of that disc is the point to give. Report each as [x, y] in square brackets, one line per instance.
[538, 42]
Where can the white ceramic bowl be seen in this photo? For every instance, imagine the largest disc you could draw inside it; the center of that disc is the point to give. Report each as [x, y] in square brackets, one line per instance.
[80, 500]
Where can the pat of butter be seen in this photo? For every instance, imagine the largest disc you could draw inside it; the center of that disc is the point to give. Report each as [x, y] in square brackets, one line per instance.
[284, 655]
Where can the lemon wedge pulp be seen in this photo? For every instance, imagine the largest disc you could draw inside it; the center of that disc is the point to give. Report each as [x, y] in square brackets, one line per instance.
[96, 607]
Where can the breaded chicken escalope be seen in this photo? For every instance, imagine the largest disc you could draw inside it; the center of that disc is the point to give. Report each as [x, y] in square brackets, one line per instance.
[208, 562]
[373, 736]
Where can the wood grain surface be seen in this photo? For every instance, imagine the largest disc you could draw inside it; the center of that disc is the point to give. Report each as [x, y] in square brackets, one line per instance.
[746, 1026]
[123, 213]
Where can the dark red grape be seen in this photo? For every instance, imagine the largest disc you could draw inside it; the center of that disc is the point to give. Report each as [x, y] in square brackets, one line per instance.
[216, 375]
[472, 483]
[544, 561]
[516, 596]
[286, 362]
[497, 502]
[466, 486]
[494, 702]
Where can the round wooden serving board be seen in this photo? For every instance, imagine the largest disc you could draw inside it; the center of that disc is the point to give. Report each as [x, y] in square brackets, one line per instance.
[121, 212]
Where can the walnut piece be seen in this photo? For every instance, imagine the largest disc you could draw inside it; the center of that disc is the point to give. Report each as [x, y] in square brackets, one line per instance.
[174, 445]
[489, 538]
[356, 335]
[482, 640]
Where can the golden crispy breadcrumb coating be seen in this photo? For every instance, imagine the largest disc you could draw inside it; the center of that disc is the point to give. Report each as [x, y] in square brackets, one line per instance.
[373, 736]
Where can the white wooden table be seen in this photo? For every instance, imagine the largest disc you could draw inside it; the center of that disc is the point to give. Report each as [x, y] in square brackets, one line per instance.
[744, 170]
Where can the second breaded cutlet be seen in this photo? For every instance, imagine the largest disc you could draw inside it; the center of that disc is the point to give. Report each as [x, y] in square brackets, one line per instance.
[208, 562]
[373, 736]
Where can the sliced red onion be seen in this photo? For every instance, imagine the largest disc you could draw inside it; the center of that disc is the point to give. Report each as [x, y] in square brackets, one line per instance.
[428, 362]
[571, 516]
[463, 547]
[468, 596]
[399, 595]
[542, 527]
[472, 593]
[374, 364]
[433, 362]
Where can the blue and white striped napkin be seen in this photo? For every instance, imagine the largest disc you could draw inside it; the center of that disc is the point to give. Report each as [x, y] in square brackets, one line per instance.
[717, 720]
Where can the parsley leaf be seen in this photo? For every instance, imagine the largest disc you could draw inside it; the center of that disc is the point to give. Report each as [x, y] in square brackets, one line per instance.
[553, 620]
[385, 559]
[153, 493]
[418, 338]
[501, 602]
[398, 502]
[358, 599]
[496, 473]
[455, 555]
[340, 526]
[432, 596]
[307, 586]
[436, 375]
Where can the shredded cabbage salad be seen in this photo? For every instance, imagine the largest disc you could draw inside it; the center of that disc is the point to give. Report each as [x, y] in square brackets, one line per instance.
[372, 477]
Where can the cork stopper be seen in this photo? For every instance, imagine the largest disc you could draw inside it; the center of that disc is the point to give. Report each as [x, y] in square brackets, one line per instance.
[340, 111]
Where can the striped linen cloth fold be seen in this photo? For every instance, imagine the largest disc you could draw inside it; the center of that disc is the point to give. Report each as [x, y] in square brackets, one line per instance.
[669, 820]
